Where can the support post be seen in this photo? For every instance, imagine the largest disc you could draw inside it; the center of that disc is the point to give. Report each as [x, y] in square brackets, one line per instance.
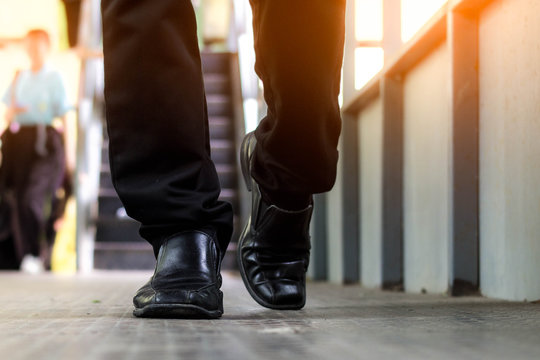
[463, 42]
[350, 201]
[392, 228]
[319, 260]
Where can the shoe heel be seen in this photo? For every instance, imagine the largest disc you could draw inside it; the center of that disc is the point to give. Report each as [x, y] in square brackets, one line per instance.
[244, 161]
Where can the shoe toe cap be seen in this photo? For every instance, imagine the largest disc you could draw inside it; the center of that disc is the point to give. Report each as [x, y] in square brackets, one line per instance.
[282, 294]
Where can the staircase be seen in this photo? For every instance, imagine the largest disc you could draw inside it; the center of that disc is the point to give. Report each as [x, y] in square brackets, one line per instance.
[118, 244]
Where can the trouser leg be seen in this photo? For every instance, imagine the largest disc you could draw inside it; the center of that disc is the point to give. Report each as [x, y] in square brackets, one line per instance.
[18, 156]
[41, 180]
[157, 120]
[299, 50]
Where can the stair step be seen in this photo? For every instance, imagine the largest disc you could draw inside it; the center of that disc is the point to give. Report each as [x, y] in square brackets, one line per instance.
[215, 62]
[223, 151]
[228, 177]
[221, 127]
[113, 229]
[105, 156]
[219, 105]
[217, 84]
[105, 178]
[108, 203]
[124, 256]
[140, 256]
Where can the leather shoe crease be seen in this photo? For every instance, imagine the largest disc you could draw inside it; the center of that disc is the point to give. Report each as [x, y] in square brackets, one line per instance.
[186, 280]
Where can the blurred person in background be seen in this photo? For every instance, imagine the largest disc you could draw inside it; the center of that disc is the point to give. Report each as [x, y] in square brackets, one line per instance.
[33, 156]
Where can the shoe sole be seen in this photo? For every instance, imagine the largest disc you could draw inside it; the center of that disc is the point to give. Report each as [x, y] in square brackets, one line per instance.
[176, 311]
[244, 165]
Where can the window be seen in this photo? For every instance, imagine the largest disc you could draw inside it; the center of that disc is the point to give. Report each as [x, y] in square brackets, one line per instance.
[415, 13]
[369, 55]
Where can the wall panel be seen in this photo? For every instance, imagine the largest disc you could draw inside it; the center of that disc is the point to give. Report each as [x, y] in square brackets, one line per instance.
[371, 142]
[334, 202]
[427, 174]
[510, 149]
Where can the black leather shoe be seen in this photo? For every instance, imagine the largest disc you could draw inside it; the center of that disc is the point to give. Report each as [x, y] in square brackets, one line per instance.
[186, 281]
[273, 249]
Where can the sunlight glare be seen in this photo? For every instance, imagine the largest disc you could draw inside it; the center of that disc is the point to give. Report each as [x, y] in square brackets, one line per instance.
[368, 62]
[369, 24]
[415, 13]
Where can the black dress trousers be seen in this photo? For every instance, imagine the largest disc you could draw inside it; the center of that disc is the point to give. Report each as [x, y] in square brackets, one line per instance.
[157, 119]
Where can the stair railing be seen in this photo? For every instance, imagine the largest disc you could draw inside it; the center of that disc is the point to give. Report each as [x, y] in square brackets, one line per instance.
[89, 131]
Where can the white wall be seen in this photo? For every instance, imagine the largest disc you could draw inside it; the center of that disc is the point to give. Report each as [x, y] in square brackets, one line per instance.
[370, 129]
[427, 174]
[510, 149]
[335, 226]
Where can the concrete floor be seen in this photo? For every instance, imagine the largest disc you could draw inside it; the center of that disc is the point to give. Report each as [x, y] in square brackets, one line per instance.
[89, 317]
